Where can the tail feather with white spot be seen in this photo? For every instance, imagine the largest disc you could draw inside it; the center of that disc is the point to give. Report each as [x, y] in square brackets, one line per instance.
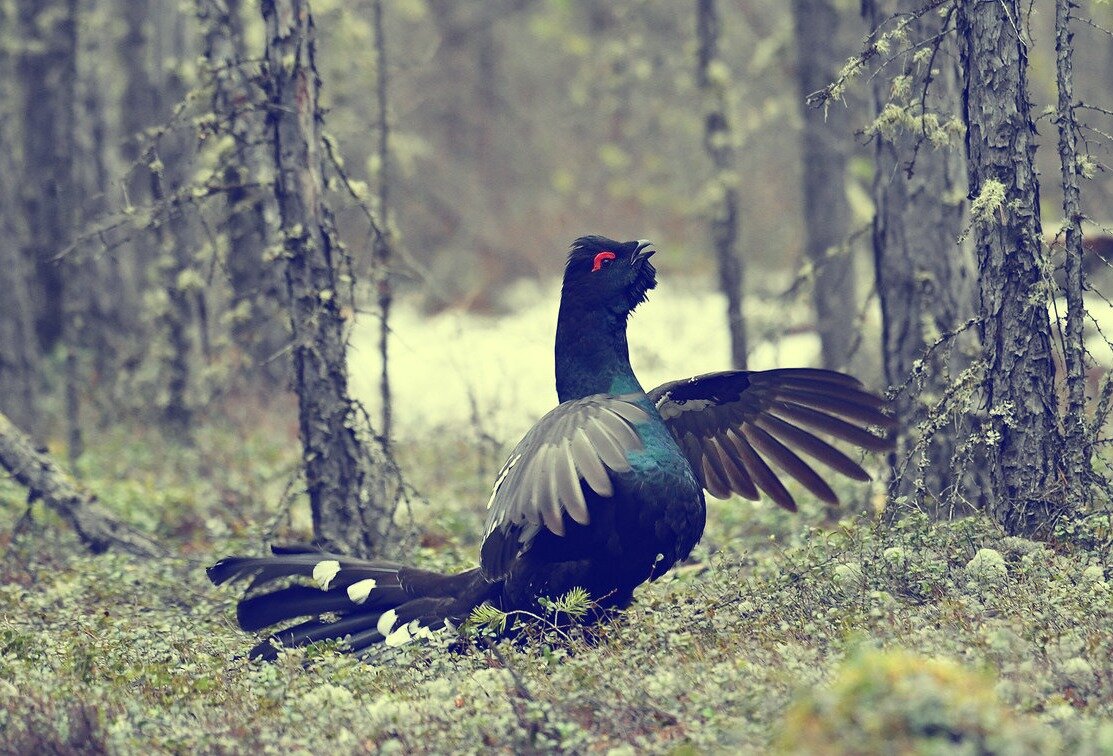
[370, 601]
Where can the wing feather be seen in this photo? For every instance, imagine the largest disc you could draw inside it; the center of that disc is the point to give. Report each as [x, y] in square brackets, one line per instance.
[745, 483]
[609, 448]
[714, 456]
[830, 425]
[812, 445]
[790, 462]
[711, 480]
[763, 476]
[732, 425]
[570, 491]
[589, 466]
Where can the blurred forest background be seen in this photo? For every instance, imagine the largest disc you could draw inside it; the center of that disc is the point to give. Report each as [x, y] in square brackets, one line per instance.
[514, 126]
[197, 244]
[140, 235]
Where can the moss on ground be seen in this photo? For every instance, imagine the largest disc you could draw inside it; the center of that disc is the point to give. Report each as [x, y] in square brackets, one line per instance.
[788, 634]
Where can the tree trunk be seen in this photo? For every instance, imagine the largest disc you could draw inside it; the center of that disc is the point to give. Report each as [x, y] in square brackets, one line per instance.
[106, 303]
[1023, 430]
[136, 61]
[19, 346]
[713, 78]
[257, 288]
[96, 527]
[338, 473]
[1077, 448]
[826, 209]
[168, 165]
[924, 275]
[383, 239]
[47, 74]
[174, 314]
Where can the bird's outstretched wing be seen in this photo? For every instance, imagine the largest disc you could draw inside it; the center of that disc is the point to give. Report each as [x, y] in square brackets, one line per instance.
[731, 425]
[576, 446]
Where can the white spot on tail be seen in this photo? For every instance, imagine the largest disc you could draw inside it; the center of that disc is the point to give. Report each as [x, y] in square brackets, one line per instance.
[324, 572]
[359, 591]
[408, 632]
[399, 637]
[386, 622]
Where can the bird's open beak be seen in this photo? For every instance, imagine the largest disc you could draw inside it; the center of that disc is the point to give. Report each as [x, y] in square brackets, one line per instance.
[643, 251]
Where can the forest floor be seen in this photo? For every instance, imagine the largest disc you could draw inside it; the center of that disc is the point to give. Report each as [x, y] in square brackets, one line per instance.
[815, 632]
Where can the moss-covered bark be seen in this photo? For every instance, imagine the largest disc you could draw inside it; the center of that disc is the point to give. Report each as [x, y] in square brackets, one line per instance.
[337, 471]
[1023, 430]
[97, 528]
[924, 274]
[257, 288]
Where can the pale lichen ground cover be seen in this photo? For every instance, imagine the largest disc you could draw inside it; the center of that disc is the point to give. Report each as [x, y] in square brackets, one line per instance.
[788, 632]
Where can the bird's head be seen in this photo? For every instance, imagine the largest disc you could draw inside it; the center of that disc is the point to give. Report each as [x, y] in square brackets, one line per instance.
[601, 272]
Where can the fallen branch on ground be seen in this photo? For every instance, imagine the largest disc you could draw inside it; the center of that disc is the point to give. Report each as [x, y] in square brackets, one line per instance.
[98, 529]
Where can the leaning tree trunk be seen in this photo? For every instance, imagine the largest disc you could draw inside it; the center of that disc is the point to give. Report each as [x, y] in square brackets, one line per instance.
[338, 473]
[257, 287]
[713, 78]
[1023, 432]
[826, 209]
[924, 274]
[98, 529]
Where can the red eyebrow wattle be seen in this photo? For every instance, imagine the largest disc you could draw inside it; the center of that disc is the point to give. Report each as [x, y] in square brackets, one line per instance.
[599, 258]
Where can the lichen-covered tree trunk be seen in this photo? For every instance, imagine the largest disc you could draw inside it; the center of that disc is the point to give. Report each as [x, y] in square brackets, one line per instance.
[924, 274]
[713, 79]
[338, 473]
[258, 324]
[97, 528]
[1024, 440]
[826, 210]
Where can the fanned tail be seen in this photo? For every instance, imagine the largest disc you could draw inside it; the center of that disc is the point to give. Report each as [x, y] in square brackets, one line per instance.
[372, 601]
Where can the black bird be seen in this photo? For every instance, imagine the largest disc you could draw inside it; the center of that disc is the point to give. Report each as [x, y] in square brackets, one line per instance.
[604, 493]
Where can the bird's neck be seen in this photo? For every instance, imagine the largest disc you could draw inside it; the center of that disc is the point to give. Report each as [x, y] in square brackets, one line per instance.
[592, 356]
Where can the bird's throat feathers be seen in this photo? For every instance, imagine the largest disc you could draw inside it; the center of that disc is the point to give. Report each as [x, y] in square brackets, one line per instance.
[592, 355]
